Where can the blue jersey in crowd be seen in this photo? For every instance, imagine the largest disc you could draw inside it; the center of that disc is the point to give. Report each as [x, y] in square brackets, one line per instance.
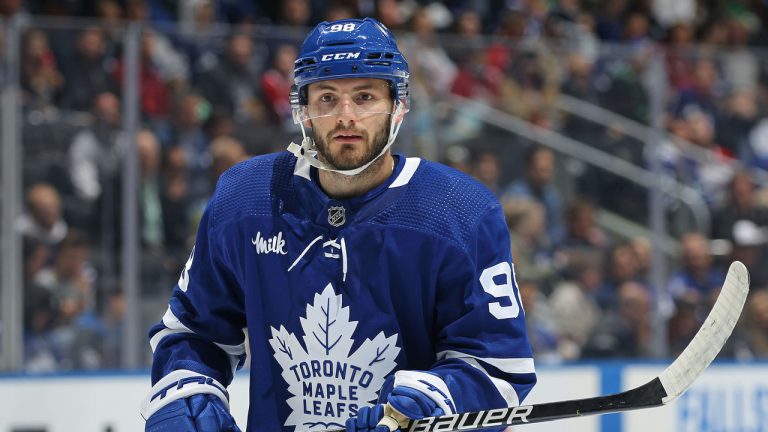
[335, 295]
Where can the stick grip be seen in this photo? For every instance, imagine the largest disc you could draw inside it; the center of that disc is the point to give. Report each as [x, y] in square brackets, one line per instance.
[393, 419]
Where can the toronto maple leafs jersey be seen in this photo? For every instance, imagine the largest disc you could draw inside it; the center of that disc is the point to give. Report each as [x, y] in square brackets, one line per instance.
[336, 295]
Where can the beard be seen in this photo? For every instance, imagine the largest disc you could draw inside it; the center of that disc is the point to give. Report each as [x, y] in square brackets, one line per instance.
[341, 161]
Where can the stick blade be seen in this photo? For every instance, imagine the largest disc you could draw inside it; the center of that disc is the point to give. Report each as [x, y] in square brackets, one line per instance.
[711, 337]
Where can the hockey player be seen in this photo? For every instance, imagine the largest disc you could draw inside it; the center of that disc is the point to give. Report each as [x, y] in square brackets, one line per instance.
[360, 276]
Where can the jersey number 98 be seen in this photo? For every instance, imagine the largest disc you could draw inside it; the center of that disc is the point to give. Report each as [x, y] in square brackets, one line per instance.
[498, 282]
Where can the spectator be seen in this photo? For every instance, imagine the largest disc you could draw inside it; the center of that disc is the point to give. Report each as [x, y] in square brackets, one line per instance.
[87, 71]
[748, 245]
[525, 219]
[70, 284]
[624, 332]
[540, 324]
[684, 323]
[388, 12]
[574, 304]
[621, 268]
[156, 262]
[756, 325]
[188, 132]
[112, 329]
[276, 86]
[714, 173]
[176, 205]
[166, 61]
[680, 53]
[42, 219]
[738, 117]
[41, 80]
[200, 35]
[740, 66]
[150, 202]
[643, 250]
[626, 94]
[609, 24]
[295, 13]
[432, 70]
[338, 11]
[741, 204]
[39, 314]
[672, 12]
[486, 169]
[468, 25]
[582, 231]
[708, 173]
[432, 74]
[538, 184]
[579, 81]
[530, 83]
[232, 85]
[226, 152]
[154, 93]
[697, 278]
[94, 152]
[111, 14]
[197, 17]
[14, 8]
[704, 92]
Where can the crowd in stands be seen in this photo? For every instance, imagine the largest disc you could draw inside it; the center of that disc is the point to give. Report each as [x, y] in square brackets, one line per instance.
[214, 84]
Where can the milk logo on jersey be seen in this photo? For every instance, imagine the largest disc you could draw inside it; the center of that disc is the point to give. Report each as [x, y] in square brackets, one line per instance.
[336, 215]
[328, 381]
[274, 244]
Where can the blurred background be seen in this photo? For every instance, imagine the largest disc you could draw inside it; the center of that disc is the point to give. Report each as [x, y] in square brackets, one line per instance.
[627, 141]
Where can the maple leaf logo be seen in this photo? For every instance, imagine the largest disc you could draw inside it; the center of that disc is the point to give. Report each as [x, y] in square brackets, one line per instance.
[328, 382]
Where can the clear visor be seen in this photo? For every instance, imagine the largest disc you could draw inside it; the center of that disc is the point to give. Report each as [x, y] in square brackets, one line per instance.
[327, 100]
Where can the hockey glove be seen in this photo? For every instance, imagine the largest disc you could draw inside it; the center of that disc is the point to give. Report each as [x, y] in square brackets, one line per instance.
[197, 413]
[416, 395]
[367, 419]
[187, 401]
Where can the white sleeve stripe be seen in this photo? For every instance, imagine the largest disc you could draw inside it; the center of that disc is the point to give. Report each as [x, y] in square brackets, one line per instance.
[427, 383]
[507, 365]
[233, 350]
[409, 169]
[155, 340]
[172, 322]
[505, 389]
[175, 326]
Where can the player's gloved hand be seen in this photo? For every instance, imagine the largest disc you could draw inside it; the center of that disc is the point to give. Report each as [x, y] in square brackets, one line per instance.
[413, 403]
[366, 420]
[408, 402]
[196, 413]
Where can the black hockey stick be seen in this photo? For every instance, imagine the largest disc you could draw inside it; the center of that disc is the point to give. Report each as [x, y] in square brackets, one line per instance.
[670, 384]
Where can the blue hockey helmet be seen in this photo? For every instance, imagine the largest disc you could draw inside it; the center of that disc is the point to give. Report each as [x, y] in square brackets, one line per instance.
[349, 48]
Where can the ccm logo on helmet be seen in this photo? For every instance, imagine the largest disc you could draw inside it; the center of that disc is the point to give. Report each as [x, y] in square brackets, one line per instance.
[340, 56]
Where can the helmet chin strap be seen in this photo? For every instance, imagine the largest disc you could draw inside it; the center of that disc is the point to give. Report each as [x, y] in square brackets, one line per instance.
[307, 148]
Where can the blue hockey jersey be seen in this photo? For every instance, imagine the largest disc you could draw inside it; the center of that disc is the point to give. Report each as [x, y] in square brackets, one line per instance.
[336, 295]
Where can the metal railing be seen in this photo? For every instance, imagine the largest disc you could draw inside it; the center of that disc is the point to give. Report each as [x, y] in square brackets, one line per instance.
[605, 161]
[643, 133]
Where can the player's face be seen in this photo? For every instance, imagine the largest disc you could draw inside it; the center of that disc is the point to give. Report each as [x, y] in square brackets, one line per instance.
[350, 119]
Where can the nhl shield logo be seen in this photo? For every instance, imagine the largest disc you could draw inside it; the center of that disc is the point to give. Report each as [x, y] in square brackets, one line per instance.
[336, 216]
